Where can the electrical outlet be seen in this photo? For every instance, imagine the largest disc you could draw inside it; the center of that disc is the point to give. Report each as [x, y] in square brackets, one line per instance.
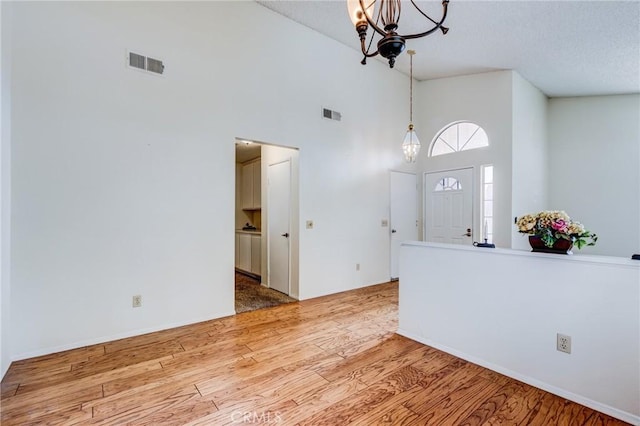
[137, 301]
[563, 343]
[357, 266]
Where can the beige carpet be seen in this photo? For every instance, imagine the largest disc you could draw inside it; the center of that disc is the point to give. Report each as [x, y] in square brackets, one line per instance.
[250, 295]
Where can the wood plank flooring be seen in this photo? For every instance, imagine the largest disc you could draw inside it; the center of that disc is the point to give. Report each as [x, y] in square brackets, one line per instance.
[333, 360]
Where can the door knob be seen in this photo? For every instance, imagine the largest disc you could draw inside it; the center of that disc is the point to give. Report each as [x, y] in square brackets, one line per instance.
[286, 235]
[468, 234]
[393, 231]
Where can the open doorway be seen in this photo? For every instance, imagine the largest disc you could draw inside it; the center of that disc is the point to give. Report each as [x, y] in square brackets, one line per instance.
[266, 274]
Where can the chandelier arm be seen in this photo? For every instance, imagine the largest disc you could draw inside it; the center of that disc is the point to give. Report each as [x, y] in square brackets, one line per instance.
[375, 27]
[366, 52]
[362, 43]
[438, 25]
[411, 36]
[422, 13]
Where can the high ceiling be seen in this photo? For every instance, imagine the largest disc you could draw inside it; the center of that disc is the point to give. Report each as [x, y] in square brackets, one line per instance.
[565, 48]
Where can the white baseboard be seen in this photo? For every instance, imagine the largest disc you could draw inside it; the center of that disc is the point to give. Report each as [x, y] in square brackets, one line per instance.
[118, 336]
[603, 408]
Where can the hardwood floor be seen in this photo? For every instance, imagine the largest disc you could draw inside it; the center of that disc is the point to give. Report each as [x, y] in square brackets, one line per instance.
[333, 360]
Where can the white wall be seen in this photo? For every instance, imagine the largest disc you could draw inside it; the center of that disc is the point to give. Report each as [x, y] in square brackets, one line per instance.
[122, 181]
[529, 154]
[5, 189]
[485, 99]
[508, 321]
[594, 167]
[547, 154]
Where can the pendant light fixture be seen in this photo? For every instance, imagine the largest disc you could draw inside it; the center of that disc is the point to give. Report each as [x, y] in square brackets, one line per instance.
[411, 144]
[365, 13]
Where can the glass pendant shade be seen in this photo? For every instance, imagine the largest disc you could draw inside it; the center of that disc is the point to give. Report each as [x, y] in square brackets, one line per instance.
[411, 145]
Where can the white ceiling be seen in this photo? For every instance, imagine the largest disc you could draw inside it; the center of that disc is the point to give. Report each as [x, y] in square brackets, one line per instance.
[565, 48]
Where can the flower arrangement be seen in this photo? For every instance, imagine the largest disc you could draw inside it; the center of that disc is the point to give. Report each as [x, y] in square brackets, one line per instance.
[552, 225]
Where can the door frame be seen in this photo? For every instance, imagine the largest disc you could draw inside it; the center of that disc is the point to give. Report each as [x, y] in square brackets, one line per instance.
[474, 199]
[267, 156]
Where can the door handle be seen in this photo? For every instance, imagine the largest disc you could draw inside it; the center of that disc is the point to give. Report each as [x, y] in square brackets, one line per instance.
[286, 235]
[393, 231]
[468, 234]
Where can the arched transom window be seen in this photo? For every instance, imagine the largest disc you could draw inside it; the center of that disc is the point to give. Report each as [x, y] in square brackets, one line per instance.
[460, 136]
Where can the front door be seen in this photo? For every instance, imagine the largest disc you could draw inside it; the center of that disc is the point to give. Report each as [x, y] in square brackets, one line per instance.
[278, 211]
[403, 215]
[449, 206]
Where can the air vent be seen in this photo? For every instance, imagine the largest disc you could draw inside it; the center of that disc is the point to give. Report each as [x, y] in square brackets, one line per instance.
[155, 65]
[331, 115]
[146, 64]
[136, 61]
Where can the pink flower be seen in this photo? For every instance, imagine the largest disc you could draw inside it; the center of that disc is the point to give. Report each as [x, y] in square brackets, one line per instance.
[559, 225]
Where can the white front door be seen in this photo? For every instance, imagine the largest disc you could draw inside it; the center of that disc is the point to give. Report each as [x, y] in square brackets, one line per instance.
[403, 214]
[449, 206]
[278, 211]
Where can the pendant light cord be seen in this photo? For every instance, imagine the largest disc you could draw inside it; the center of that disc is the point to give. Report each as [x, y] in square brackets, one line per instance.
[411, 89]
[411, 53]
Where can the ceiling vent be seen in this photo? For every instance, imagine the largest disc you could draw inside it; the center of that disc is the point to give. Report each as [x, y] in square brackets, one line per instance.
[331, 115]
[144, 63]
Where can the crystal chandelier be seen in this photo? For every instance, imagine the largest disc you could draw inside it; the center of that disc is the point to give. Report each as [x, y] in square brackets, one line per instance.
[411, 144]
[387, 13]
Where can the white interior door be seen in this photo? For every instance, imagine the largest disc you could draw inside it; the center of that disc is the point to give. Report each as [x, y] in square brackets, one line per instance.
[278, 211]
[403, 215]
[449, 206]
